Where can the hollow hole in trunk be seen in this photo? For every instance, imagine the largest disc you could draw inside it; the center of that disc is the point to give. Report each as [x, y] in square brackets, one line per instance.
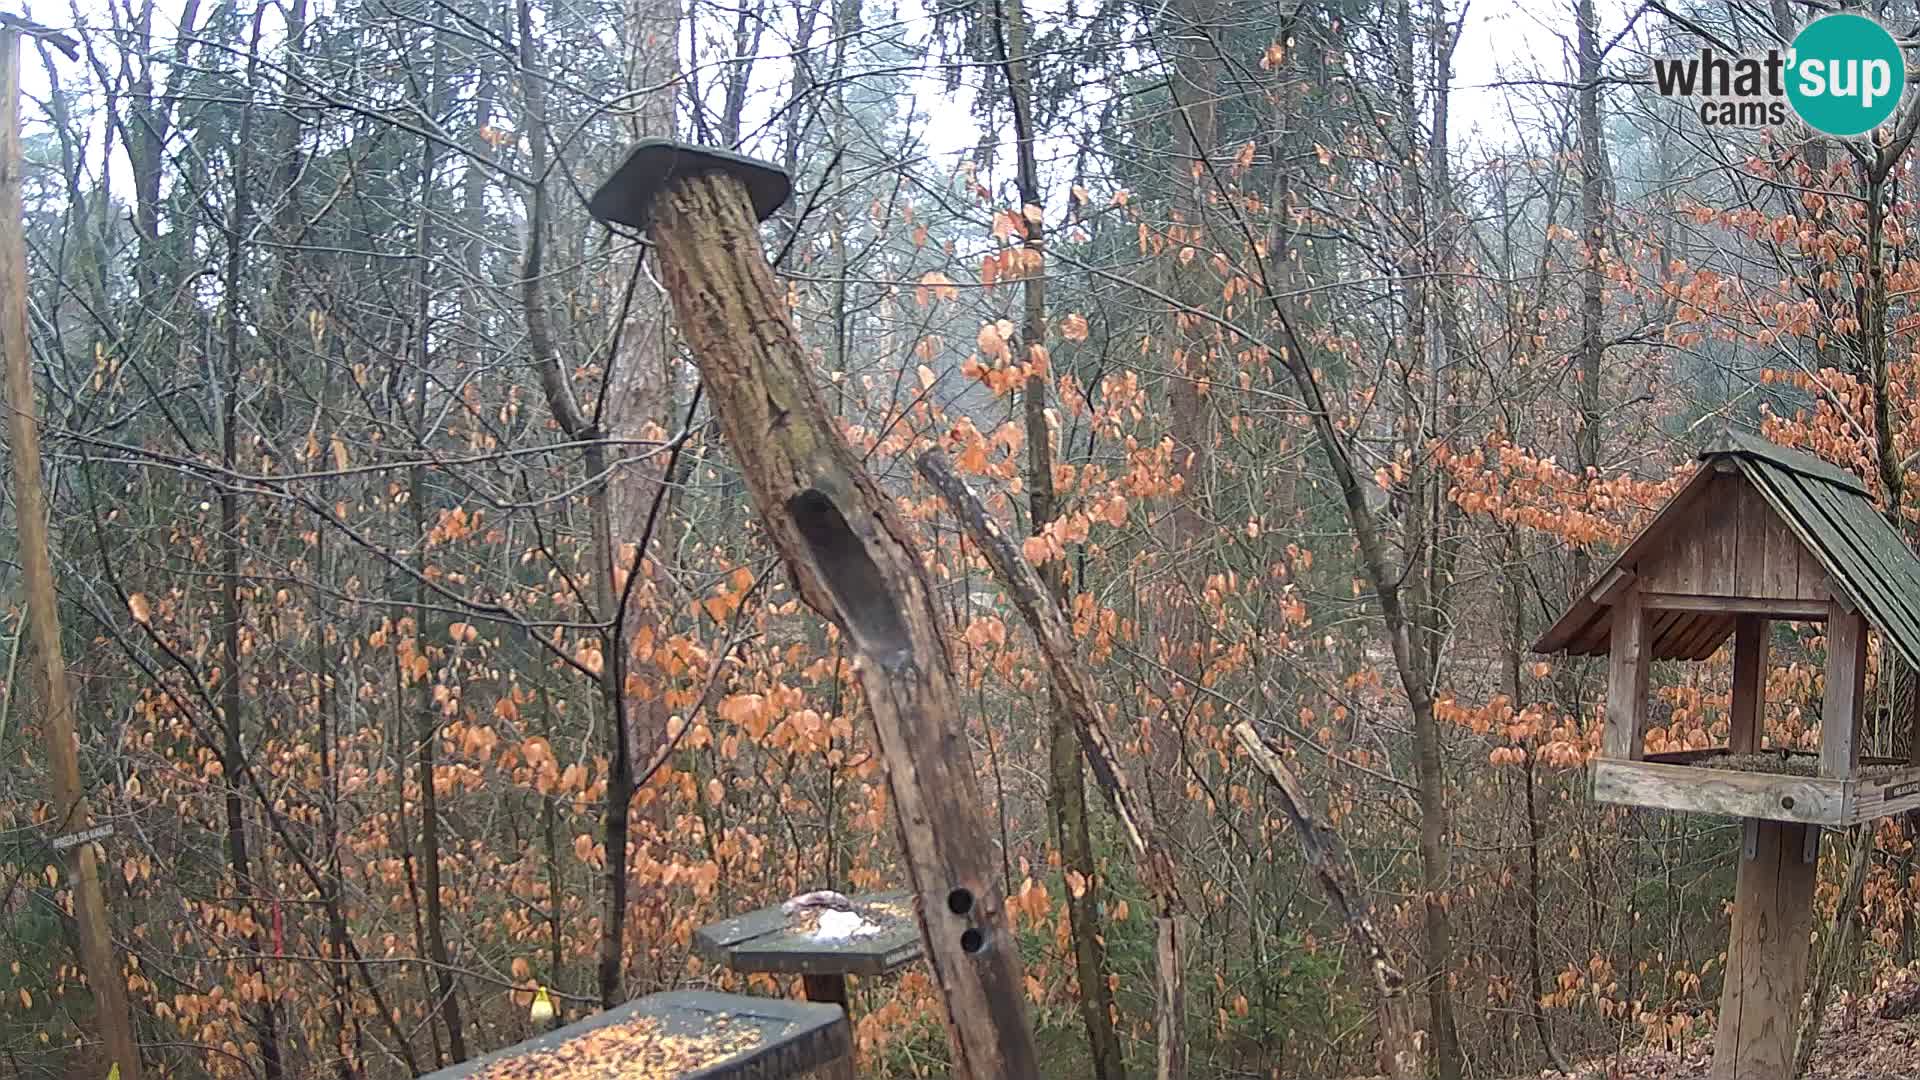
[859, 590]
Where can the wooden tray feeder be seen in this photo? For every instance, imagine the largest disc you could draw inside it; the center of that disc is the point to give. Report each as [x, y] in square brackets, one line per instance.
[680, 1035]
[1761, 532]
[772, 940]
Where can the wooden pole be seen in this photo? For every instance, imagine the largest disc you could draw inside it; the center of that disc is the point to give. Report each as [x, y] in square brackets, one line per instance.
[1766, 953]
[1747, 718]
[1626, 732]
[849, 555]
[71, 813]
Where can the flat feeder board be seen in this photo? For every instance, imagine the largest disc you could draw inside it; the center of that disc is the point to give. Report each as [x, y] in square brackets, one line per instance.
[679, 1035]
[771, 940]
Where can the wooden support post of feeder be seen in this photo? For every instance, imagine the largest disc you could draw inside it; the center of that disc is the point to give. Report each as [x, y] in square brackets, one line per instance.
[1747, 715]
[850, 557]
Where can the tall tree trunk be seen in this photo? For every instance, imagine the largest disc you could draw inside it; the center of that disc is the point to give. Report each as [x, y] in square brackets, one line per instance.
[1536, 974]
[264, 1017]
[623, 513]
[1067, 793]
[426, 711]
[1593, 235]
[1423, 629]
[70, 808]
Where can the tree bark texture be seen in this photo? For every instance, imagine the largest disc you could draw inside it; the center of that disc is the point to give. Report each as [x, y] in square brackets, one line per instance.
[851, 559]
[70, 810]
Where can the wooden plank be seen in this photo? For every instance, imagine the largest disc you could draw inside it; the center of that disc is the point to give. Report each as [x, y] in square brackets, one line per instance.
[1592, 639]
[1627, 663]
[1771, 607]
[1845, 693]
[1766, 956]
[1677, 566]
[1611, 585]
[1783, 560]
[1752, 518]
[1713, 633]
[750, 1038]
[1701, 790]
[1719, 548]
[1641, 552]
[1687, 757]
[1695, 630]
[1660, 628]
[1748, 713]
[1895, 794]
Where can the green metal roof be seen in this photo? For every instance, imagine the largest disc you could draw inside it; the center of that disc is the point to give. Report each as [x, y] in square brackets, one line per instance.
[1832, 513]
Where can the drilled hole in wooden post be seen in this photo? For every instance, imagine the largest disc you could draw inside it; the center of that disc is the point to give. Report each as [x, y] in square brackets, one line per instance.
[959, 901]
[859, 590]
[1786, 802]
[972, 940]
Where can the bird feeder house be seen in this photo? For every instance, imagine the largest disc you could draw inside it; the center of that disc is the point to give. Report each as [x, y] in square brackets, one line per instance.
[1759, 533]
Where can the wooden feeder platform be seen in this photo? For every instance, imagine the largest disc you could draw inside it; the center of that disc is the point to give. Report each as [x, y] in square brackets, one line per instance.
[1760, 533]
[1770, 785]
[678, 1035]
[771, 940]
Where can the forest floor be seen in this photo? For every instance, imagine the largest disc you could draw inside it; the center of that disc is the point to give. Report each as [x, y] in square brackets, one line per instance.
[1876, 1038]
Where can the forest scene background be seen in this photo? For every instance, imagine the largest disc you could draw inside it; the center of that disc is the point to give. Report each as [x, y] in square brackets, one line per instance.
[427, 652]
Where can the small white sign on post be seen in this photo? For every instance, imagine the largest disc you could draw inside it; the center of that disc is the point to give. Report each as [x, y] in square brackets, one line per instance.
[62, 843]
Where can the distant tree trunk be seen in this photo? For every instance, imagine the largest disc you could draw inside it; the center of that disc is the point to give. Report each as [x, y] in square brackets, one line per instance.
[636, 403]
[41, 620]
[1536, 976]
[427, 720]
[1067, 793]
[1196, 70]
[264, 1019]
[1593, 235]
[1423, 629]
[346, 1017]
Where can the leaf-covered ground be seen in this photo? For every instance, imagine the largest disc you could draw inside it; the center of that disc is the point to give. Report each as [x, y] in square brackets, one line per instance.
[1877, 1038]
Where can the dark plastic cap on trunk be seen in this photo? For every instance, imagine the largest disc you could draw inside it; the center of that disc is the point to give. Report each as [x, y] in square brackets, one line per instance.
[626, 198]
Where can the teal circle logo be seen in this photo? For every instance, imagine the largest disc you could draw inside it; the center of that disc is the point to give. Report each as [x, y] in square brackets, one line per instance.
[1845, 74]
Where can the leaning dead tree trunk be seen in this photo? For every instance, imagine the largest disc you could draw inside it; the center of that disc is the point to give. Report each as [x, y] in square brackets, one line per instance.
[850, 558]
[1327, 855]
[1073, 685]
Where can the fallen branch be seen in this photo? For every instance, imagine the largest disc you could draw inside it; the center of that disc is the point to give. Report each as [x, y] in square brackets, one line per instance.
[1327, 855]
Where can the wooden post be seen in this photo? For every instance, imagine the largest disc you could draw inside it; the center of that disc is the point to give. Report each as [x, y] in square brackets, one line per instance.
[1846, 691]
[1748, 714]
[1766, 954]
[1626, 732]
[847, 550]
[829, 989]
[71, 813]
